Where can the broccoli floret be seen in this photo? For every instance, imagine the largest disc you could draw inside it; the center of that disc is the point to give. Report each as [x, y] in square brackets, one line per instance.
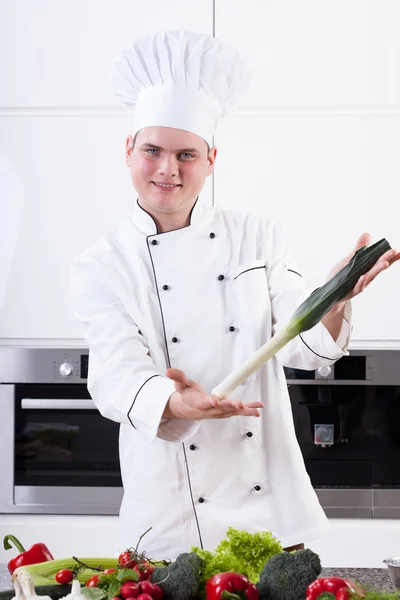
[286, 576]
[181, 580]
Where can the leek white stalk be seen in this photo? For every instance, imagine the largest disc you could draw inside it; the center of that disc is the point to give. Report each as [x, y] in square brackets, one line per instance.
[267, 351]
[308, 314]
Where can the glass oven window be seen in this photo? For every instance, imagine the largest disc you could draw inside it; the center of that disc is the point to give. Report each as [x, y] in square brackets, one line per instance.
[361, 425]
[63, 447]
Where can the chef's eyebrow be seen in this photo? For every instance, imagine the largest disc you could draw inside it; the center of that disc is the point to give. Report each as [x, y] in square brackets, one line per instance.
[154, 147]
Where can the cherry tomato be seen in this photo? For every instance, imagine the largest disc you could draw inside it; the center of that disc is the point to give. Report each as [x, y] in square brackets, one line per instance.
[144, 597]
[108, 571]
[93, 581]
[129, 589]
[144, 570]
[126, 560]
[152, 589]
[64, 576]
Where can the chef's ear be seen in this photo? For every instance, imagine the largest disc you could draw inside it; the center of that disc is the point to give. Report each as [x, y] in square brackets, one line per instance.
[212, 156]
[130, 144]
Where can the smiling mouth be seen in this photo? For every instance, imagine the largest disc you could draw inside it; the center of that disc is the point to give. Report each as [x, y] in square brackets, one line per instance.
[166, 185]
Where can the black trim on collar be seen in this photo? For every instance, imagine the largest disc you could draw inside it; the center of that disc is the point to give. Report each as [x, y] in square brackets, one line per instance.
[316, 353]
[134, 400]
[155, 224]
[169, 365]
[252, 269]
[291, 270]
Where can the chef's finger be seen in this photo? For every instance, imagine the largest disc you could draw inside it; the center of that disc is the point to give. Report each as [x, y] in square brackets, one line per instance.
[254, 405]
[244, 412]
[250, 412]
[207, 402]
[227, 403]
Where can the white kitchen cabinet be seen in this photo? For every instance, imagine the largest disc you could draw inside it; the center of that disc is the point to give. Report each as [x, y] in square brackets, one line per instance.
[327, 178]
[314, 53]
[59, 54]
[75, 187]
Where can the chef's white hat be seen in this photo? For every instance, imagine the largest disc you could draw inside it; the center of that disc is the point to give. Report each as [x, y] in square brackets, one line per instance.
[180, 79]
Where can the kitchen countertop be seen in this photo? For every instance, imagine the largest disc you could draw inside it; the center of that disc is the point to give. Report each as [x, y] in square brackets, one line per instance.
[378, 579]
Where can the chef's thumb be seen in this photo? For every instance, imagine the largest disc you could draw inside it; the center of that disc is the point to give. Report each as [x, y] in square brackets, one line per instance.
[179, 377]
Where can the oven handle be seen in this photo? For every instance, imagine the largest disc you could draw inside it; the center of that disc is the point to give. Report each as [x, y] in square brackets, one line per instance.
[57, 404]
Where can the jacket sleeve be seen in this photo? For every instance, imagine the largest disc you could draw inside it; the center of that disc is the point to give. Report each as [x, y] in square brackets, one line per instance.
[313, 348]
[123, 381]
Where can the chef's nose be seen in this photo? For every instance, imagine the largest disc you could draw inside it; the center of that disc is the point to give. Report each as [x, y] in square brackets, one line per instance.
[168, 166]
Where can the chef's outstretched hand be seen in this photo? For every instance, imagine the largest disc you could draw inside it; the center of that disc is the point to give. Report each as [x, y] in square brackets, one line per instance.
[191, 402]
[385, 261]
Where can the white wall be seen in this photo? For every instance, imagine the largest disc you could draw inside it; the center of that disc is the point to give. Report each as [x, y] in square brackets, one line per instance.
[316, 142]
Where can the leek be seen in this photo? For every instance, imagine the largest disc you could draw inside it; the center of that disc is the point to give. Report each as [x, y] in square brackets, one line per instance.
[44, 573]
[308, 314]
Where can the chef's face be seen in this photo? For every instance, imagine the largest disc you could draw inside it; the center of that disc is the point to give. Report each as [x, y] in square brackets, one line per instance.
[168, 168]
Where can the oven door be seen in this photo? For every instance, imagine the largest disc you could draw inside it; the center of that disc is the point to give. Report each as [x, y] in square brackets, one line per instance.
[58, 455]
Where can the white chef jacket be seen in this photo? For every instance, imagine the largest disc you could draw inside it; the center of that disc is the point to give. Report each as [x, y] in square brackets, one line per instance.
[201, 299]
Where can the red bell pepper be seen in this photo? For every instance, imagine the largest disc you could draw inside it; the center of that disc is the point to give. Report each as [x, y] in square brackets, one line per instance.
[230, 586]
[36, 554]
[327, 588]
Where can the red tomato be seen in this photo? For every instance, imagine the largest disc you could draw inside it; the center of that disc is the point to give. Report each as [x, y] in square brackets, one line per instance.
[144, 597]
[108, 571]
[144, 570]
[93, 581]
[129, 589]
[126, 560]
[64, 576]
[152, 589]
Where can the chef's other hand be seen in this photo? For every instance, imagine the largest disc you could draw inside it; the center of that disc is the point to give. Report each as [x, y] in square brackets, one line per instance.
[191, 402]
[385, 261]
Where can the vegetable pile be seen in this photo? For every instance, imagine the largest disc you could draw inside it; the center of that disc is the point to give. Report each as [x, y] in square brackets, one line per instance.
[244, 566]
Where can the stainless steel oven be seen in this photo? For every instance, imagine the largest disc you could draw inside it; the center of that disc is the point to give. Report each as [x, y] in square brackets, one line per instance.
[347, 420]
[58, 455]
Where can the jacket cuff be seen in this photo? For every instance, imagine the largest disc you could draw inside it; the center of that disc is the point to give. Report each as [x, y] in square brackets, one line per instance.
[148, 405]
[320, 342]
[343, 339]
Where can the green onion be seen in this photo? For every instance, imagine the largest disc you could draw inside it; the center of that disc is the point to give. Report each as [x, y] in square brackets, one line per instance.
[308, 314]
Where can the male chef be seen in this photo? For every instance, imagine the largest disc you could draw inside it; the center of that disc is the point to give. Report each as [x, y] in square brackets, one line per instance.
[179, 295]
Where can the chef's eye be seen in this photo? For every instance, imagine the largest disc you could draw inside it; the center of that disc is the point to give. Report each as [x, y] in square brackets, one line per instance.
[152, 151]
[186, 155]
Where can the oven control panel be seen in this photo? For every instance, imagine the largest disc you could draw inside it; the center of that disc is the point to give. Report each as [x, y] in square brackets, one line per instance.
[71, 365]
[43, 365]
